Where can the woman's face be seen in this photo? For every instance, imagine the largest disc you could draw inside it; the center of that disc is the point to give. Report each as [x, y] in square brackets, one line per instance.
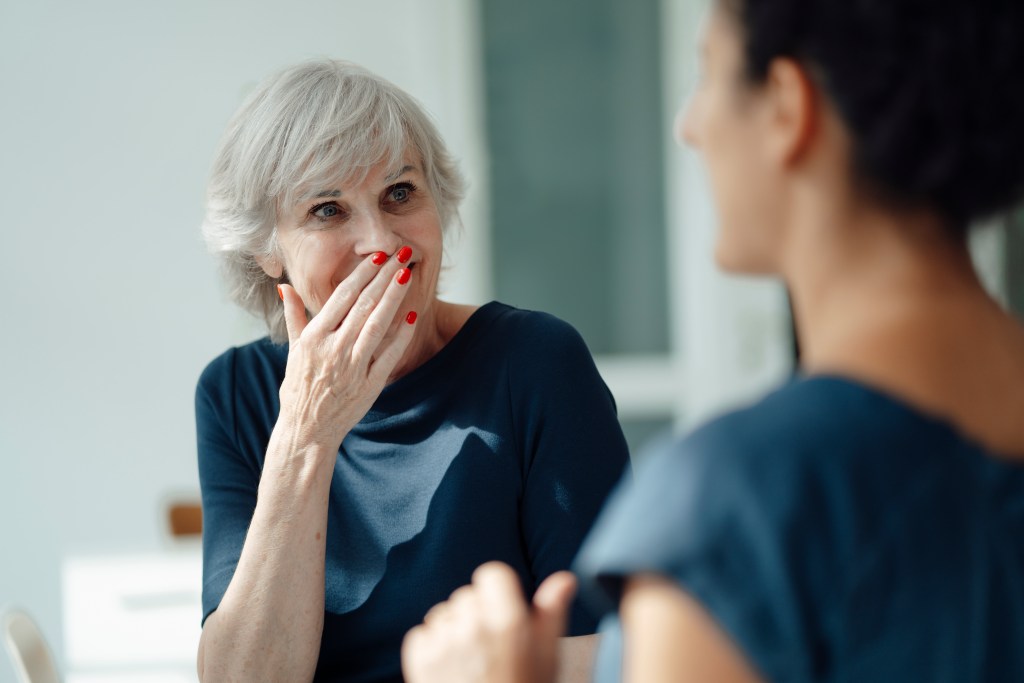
[329, 230]
[725, 122]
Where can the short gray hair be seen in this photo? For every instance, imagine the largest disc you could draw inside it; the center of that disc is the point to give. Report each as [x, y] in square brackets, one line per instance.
[310, 123]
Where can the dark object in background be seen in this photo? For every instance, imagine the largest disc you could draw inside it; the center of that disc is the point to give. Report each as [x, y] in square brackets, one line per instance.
[185, 518]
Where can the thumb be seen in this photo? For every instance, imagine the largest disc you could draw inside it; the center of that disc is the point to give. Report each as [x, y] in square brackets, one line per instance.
[551, 605]
[294, 312]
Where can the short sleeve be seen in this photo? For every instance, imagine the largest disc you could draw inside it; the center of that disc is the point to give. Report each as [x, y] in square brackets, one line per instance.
[229, 483]
[574, 449]
[698, 513]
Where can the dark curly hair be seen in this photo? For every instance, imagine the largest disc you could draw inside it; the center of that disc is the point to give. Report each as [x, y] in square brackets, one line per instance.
[932, 91]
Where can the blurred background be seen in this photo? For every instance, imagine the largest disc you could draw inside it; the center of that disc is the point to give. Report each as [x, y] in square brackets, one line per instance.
[580, 204]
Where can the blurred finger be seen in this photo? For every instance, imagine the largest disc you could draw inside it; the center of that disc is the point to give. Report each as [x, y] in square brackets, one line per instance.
[551, 604]
[414, 646]
[500, 593]
[438, 614]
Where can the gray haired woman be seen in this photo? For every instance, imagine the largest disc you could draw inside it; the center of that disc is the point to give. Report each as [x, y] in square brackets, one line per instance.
[360, 462]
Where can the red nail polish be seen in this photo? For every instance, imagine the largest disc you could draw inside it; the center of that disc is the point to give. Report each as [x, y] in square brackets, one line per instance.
[280, 292]
[411, 318]
[404, 254]
[379, 258]
[403, 276]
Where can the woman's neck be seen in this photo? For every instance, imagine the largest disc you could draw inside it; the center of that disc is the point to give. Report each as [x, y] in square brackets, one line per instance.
[435, 327]
[857, 275]
[894, 301]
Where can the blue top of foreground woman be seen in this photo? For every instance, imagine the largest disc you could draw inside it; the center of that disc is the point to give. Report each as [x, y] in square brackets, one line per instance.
[834, 533]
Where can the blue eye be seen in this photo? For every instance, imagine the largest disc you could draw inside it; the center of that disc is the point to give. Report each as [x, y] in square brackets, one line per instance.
[401, 193]
[325, 210]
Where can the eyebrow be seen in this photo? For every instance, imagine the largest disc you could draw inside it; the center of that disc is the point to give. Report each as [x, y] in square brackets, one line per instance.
[327, 193]
[402, 171]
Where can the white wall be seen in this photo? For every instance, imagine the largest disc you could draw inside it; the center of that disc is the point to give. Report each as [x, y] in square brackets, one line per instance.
[109, 115]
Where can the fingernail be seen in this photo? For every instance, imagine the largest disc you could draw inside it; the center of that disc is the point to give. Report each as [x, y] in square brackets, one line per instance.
[403, 276]
[404, 254]
[379, 258]
[280, 292]
[411, 318]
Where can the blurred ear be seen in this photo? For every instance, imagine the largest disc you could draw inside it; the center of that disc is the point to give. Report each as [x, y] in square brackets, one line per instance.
[271, 265]
[792, 111]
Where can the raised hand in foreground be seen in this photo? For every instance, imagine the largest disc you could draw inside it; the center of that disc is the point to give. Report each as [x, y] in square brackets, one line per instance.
[487, 633]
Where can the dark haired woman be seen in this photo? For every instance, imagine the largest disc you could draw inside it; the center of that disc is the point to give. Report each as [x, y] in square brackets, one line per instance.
[865, 522]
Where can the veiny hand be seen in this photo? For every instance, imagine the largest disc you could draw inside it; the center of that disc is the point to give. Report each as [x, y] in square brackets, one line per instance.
[339, 361]
[486, 633]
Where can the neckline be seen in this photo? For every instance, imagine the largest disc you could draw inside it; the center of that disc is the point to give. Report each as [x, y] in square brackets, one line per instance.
[917, 413]
[405, 388]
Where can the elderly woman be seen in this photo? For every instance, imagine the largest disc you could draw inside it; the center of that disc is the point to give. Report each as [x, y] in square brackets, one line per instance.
[359, 463]
[865, 522]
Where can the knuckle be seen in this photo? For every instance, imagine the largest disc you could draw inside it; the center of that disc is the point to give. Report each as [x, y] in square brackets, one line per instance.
[364, 305]
[374, 328]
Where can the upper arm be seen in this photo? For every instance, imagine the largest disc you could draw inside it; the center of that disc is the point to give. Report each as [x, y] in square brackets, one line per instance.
[228, 484]
[573, 449]
[668, 636]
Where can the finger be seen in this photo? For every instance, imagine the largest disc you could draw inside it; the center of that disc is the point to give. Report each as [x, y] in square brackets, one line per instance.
[390, 352]
[465, 604]
[551, 605]
[439, 613]
[405, 316]
[347, 292]
[387, 289]
[501, 595]
[414, 646]
[294, 312]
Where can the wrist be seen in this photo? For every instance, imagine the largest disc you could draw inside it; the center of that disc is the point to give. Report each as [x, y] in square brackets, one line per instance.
[295, 445]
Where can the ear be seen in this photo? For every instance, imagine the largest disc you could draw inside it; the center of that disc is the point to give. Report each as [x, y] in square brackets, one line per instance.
[271, 265]
[793, 110]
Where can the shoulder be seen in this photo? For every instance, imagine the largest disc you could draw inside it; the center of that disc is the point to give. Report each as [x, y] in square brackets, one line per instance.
[746, 514]
[241, 380]
[793, 426]
[530, 326]
[533, 341]
[544, 356]
[814, 457]
[790, 466]
[244, 362]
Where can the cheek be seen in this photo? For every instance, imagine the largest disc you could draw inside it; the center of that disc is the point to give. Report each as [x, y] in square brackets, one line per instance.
[745, 202]
[315, 267]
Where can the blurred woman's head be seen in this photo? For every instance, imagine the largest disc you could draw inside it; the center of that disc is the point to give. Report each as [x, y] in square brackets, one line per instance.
[925, 95]
[321, 124]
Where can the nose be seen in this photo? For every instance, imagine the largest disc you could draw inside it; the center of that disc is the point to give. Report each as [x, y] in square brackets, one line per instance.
[374, 232]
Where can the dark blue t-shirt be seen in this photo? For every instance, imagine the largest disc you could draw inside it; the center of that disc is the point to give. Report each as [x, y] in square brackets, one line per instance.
[835, 534]
[503, 446]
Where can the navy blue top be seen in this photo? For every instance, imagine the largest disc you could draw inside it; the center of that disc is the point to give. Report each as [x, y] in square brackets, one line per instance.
[503, 446]
[835, 534]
